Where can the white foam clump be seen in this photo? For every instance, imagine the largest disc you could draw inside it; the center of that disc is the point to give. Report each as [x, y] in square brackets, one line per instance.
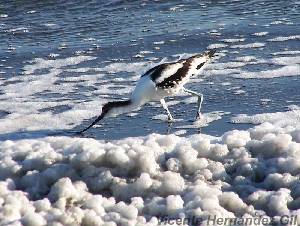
[288, 52]
[239, 92]
[135, 181]
[162, 117]
[18, 30]
[292, 60]
[232, 40]
[40, 63]
[284, 38]
[249, 45]
[29, 119]
[290, 117]
[205, 119]
[159, 43]
[263, 33]
[36, 82]
[284, 71]
[26, 97]
[247, 59]
[216, 46]
[136, 68]
[285, 66]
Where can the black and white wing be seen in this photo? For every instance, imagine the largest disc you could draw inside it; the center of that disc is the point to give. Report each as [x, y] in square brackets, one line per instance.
[169, 75]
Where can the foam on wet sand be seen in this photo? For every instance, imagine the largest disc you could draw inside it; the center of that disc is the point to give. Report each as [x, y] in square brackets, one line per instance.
[25, 97]
[134, 181]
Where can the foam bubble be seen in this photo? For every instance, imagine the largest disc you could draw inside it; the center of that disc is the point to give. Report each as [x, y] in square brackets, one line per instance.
[263, 33]
[284, 38]
[249, 45]
[75, 181]
[290, 117]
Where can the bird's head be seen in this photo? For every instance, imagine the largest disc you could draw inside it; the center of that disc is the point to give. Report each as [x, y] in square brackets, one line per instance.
[210, 53]
[106, 109]
[110, 109]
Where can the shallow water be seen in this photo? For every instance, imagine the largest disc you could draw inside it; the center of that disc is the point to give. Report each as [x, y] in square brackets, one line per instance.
[46, 87]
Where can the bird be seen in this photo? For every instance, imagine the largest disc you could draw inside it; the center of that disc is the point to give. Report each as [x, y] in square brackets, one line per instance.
[159, 82]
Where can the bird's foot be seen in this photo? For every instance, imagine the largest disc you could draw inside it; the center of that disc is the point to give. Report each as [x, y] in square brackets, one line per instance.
[170, 119]
[198, 116]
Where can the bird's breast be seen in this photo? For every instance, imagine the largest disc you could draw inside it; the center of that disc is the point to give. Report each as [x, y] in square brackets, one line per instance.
[146, 90]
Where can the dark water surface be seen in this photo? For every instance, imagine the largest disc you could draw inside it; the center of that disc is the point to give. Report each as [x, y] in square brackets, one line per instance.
[116, 31]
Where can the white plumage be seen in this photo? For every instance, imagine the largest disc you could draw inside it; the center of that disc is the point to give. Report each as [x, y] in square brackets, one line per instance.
[161, 81]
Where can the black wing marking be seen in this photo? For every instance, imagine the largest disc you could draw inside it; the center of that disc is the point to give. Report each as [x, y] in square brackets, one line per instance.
[177, 77]
[200, 65]
[156, 71]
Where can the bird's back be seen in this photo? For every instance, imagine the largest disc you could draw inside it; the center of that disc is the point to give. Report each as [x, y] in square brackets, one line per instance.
[174, 75]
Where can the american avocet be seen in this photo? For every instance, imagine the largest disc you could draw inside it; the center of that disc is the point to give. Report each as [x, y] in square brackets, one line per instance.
[161, 81]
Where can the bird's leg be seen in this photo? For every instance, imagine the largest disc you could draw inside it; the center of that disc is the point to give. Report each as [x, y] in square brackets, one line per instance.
[169, 127]
[199, 102]
[163, 103]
